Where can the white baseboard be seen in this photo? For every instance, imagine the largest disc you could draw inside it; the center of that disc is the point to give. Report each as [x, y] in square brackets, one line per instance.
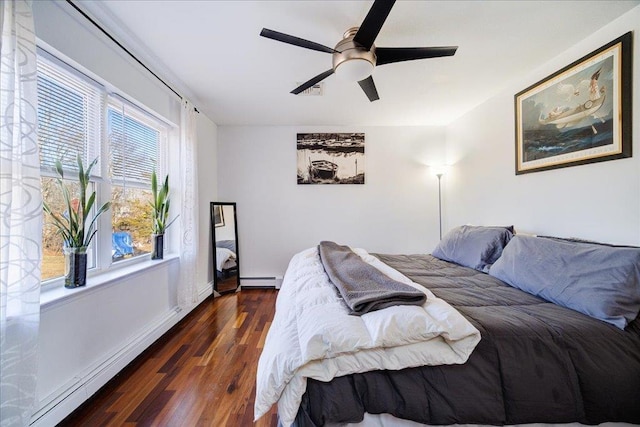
[258, 282]
[204, 292]
[61, 403]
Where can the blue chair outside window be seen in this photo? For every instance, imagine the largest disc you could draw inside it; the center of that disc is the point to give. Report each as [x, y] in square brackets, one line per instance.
[121, 244]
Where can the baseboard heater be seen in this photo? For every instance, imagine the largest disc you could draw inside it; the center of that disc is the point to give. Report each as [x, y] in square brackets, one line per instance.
[261, 282]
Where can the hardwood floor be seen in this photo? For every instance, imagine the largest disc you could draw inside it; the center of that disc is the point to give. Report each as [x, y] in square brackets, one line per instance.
[201, 373]
[227, 285]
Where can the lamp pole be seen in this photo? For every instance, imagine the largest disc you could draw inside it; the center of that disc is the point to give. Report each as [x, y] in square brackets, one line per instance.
[439, 175]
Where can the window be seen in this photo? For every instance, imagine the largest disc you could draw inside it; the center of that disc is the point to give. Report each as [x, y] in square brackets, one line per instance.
[69, 123]
[76, 116]
[135, 139]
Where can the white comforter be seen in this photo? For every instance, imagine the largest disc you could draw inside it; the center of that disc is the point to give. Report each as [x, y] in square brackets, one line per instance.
[313, 336]
[225, 258]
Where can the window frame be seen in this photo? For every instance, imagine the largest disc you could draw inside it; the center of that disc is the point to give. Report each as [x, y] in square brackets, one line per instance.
[101, 246]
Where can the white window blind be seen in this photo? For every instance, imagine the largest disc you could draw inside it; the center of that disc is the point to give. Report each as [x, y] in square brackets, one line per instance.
[135, 139]
[69, 115]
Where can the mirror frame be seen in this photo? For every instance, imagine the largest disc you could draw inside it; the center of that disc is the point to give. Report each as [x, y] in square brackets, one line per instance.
[213, 243]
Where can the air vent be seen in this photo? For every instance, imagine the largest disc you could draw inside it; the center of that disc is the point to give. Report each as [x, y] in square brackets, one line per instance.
[315, 90]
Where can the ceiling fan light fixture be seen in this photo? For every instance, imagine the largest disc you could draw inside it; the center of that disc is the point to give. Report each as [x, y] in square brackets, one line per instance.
[352, 62]
[354, 69]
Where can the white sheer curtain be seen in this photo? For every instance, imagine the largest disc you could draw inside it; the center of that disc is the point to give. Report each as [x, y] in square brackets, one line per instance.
[21, 214]
[187, 292]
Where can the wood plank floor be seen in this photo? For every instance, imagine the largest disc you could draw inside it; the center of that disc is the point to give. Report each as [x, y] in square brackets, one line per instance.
[201, 373]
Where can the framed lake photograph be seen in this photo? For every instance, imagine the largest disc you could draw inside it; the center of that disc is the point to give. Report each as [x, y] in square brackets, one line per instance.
[580, 114]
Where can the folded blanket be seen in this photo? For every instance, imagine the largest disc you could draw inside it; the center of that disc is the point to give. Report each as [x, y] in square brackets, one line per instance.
[363, 287]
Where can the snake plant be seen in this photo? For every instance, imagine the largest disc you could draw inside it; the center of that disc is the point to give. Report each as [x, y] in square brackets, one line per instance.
[75, 225]
[160, 204]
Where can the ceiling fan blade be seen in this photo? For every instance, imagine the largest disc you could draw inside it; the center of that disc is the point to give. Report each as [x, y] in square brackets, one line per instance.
[372, 23]
[369, 88]
[296, 41]
[387, 55]
[313, 81]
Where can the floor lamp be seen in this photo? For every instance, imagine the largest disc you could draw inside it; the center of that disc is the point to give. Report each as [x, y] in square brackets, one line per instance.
[439, 175]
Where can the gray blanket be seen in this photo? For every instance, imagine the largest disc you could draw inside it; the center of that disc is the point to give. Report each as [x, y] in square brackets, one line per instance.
[363, 287]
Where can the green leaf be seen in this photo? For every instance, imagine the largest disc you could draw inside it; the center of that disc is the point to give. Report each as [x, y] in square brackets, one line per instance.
[59, 169]
[154, 186]
[91, 165]
[46, 208]
[172, 221]
[59, 224]
[89, 205]
[91, 233]
[80, 167]
[88, 242]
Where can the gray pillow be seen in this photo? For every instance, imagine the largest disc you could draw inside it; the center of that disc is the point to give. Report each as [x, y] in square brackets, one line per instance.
[597, 280]
[227, 244]
[473, 246]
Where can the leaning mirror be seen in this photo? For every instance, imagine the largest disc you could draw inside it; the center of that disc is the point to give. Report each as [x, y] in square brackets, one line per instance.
[224, 235]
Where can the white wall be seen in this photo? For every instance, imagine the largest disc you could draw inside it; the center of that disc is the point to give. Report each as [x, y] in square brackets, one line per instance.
[87, 339]
[395, 211]
[599, 201]
[228, 231]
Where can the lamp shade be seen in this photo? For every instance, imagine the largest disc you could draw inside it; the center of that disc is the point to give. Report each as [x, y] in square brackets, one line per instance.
[354, 70]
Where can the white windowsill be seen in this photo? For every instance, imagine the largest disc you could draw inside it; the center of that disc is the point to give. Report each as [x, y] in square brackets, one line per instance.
[60, 295]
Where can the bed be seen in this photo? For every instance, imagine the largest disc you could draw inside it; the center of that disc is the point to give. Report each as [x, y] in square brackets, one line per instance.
[559, 328]
[226, 263]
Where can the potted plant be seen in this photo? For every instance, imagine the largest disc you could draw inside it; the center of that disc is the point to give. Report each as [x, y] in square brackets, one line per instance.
[76, 225]
[160, 214]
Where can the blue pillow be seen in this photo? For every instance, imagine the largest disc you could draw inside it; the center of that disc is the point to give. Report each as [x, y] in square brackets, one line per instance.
[598, 280]
[473, 246]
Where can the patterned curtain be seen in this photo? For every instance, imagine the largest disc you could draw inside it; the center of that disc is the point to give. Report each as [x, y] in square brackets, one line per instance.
[187, 291]
[21, 214]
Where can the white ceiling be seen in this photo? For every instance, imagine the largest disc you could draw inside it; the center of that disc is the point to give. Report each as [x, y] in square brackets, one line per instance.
[212, 52]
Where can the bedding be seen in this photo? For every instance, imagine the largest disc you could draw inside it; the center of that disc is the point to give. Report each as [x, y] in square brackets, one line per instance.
[537, 362]
[476, 247]
[225, 259]
[227, 244]
[314, 337]
[601, 281]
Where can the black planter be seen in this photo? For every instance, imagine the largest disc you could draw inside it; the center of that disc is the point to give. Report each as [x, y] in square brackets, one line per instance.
[75, 267]
[157, 242]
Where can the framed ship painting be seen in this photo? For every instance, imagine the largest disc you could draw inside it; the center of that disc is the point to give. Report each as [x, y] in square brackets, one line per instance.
[330, 158]
[217, 215]
[580, 114]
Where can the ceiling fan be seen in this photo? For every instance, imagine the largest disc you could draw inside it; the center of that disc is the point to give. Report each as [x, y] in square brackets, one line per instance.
[355, 56]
